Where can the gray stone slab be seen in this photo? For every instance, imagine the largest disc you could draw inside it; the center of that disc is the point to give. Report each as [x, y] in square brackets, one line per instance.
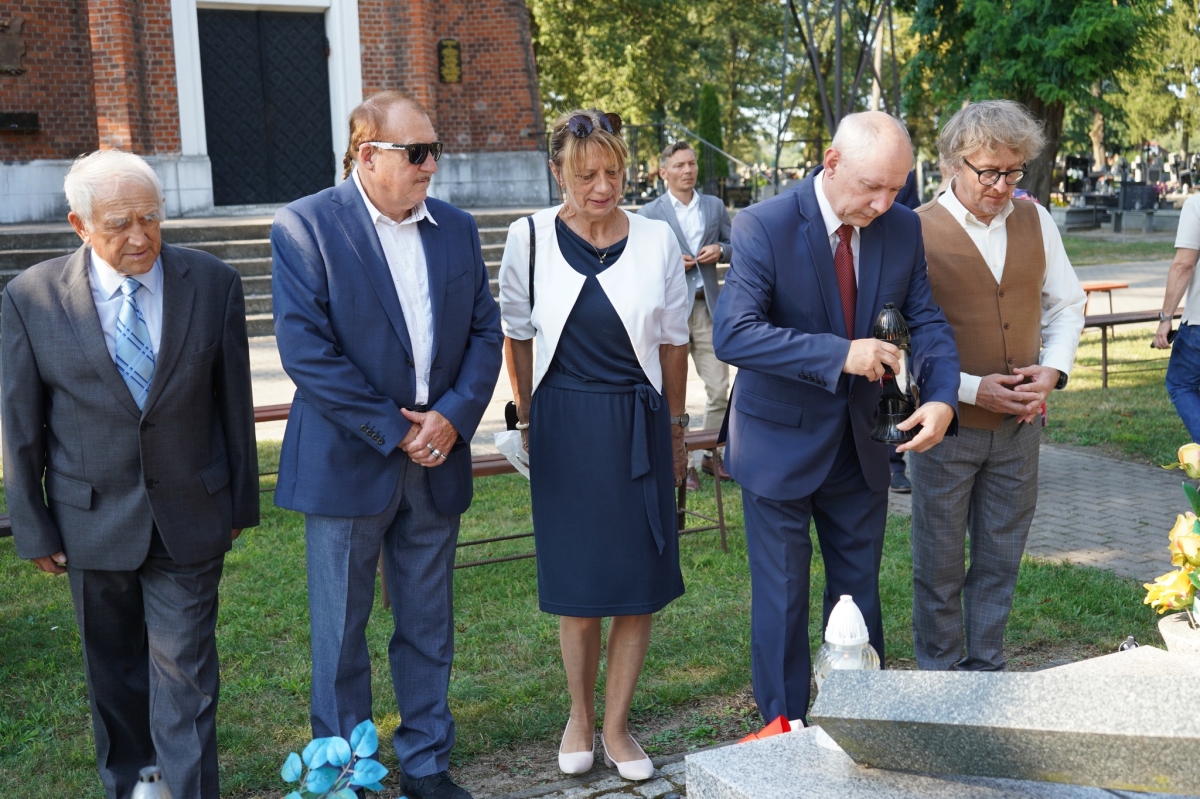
[1107, 730]
[1133, 663]
[795, 766]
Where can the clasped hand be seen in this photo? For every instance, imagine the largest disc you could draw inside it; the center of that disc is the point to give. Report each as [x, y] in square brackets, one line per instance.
[430, 431]
[1020, 394]
[709, 254]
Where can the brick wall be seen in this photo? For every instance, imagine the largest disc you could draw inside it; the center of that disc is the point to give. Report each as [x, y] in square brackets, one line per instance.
[496, 107]
[56, 85]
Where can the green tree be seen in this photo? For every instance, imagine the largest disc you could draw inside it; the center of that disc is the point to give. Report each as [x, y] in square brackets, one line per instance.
[709, 128]
[1046, 54]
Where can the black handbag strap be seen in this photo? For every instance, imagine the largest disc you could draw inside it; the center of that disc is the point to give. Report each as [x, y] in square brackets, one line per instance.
[532, 255]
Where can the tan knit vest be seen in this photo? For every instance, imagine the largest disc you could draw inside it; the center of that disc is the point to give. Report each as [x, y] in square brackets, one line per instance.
[998, 327]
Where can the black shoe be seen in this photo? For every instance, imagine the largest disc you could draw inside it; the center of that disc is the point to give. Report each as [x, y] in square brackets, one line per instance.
[900, 483]
[435, 786]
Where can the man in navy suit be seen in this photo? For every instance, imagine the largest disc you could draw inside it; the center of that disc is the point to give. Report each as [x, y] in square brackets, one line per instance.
[811, 270]
[386, 325]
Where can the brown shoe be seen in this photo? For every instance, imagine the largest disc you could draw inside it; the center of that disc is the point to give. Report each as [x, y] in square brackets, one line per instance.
[706, 465]
[693, 480]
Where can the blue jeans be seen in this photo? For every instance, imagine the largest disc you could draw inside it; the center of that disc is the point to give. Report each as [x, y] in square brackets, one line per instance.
[1183, 378]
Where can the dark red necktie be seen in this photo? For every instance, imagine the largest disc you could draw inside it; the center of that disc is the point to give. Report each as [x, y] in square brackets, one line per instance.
[843, 264]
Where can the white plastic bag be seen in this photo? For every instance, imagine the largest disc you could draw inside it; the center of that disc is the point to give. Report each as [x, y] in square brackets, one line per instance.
[510, 446]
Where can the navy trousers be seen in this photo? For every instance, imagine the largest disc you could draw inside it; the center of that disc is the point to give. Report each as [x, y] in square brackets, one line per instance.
[850, 520]
[418, 551]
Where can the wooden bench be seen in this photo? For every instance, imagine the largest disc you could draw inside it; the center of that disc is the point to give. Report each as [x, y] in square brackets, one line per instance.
[488, 465]
[1101, 287]
[1110, 320]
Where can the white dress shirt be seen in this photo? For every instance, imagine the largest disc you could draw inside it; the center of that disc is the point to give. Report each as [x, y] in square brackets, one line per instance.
[832, 223]
[405, 254]
[1187, 237]
[106, 293]
[1062, 296]
[691, 220]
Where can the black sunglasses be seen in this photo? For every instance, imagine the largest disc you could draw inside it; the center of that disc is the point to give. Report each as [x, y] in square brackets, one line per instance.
[416, 152]
[581, 125]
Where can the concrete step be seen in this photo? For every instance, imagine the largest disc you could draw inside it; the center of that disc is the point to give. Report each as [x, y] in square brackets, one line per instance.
[258, 304]
[256, 284]
[260, 324]
[235, 248]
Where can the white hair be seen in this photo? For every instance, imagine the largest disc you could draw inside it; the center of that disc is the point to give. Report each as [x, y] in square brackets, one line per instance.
[858, 135]
[94, 173]
[990, 125]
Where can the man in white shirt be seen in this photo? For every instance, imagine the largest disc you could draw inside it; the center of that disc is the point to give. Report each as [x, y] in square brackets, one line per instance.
[1183, 370]
[1000, 273]
[386, 324]
[702, 226]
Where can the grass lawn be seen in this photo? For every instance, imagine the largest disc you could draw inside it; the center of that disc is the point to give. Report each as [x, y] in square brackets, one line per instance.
[1083, 251]
[1133, 418]
[508, 691]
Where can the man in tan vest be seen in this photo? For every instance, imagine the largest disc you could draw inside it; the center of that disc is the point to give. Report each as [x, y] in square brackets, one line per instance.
[999, 271]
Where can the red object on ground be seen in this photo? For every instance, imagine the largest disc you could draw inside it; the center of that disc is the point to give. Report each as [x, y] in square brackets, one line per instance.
[776, 727]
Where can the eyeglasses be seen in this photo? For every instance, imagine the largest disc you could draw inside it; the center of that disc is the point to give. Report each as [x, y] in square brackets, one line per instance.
[581, 126]
[990, 177]
[416, 152]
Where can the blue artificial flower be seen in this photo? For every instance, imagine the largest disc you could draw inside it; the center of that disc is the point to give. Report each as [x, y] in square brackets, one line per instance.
[321, 780]
[364, 739]
[313, 750]
[292, 768]
[337, 752]
[368, 771]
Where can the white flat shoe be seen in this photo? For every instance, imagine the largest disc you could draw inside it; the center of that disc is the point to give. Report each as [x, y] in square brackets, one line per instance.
[575, 762]
[636, 770]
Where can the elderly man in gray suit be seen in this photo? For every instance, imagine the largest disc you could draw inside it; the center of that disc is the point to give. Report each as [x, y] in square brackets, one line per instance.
[701, 224]
[130, 464]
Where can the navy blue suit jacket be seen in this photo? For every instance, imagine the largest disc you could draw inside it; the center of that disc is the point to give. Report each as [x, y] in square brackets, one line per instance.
[344, 343]
[779, 320]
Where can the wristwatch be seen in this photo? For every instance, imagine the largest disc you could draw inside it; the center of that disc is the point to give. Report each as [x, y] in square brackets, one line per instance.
[1162, 317]
[683, 421]
[1062, 381]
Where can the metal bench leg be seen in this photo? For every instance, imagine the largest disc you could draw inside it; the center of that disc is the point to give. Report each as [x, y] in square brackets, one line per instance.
[1104, 357]
[716, 458]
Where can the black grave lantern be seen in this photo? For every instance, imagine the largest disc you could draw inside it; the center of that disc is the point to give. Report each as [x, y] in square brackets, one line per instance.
[896, 401]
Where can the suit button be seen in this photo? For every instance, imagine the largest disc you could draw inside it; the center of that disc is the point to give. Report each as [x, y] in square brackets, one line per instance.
[146, 426]
[409, 361]
[1010, 360]
[1006, 325]
[1002, 294]
[151, 483]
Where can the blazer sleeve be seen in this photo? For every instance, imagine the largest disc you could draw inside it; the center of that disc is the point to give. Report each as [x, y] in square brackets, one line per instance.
[464, 403]
[743, 334]
[675, 328]
[724, 236]
[34, 531]
[308, 347]
[515, 312]
[935, 362]
[235, 401]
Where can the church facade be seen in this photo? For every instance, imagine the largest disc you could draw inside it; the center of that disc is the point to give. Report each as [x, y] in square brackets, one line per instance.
[245, 104]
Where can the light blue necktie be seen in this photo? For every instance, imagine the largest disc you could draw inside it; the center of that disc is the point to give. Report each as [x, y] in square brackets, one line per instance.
[135, 358]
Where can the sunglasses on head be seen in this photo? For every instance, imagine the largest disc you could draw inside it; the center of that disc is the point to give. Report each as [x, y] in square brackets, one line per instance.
[416, 152]
[581, 125]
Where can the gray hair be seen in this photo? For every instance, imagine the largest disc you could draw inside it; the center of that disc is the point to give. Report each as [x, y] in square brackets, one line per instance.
[858, 134]
[92, 173]
[989, 125]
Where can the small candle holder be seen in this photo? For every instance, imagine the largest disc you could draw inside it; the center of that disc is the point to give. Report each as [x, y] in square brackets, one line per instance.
[896, 400]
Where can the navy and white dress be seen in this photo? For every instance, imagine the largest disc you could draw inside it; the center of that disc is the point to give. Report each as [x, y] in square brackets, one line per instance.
[601, 466]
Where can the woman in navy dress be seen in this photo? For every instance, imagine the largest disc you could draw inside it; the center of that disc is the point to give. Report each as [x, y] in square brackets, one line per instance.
[602, 408]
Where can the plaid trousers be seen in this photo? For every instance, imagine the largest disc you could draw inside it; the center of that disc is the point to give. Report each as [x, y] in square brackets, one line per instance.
[983, 482]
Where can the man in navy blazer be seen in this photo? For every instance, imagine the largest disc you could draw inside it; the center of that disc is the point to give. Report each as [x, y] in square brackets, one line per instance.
[386, 324]
[812, 268]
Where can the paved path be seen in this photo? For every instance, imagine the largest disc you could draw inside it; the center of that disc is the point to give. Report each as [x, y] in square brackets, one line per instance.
[1099, 511]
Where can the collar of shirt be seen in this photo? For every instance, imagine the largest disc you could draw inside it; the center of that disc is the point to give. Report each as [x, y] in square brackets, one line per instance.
[107, 281]
[419, 211]
[949, 200]
[832, 223]
[681, 206]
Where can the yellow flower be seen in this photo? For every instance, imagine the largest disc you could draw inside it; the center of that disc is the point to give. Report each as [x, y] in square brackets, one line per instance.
[1171, 591]
[1183, 525]
[1189, 459]
[1188, 549]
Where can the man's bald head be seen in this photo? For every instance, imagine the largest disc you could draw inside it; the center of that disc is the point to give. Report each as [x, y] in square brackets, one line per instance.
[866, 166]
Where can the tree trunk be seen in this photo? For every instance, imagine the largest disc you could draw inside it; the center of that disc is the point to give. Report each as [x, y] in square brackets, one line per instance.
[1099, 150]
[1041, 168]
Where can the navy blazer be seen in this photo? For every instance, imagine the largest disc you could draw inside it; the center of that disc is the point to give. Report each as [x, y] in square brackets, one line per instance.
[779, 320]
[344, 343]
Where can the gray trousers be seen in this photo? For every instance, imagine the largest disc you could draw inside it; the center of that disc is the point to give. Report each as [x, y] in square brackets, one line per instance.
[418, 553]
[150, 656]
[984, 483]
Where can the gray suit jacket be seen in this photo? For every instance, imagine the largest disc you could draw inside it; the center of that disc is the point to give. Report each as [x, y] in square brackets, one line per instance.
[187, 463]
[716, 231]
